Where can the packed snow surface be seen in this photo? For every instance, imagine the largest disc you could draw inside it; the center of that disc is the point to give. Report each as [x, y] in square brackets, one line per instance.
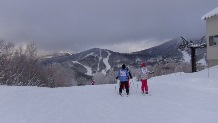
[175, 98]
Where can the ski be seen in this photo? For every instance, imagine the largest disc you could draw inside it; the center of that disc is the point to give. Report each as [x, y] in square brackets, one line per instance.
[123, 95]
[148, 94]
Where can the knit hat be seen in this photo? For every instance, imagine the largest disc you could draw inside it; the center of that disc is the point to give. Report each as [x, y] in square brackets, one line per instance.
[123, 66]
[143, 65]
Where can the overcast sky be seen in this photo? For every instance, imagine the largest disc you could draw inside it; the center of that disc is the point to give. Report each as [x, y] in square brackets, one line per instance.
[118, 25]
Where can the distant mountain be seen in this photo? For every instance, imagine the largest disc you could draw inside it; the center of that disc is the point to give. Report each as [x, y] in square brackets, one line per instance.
[97, 60]
[167, 49]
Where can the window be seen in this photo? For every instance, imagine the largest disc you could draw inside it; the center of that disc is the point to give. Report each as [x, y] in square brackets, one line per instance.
[213, 40]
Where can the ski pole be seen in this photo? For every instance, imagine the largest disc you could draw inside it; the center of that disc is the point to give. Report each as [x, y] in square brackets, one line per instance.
[137, 88]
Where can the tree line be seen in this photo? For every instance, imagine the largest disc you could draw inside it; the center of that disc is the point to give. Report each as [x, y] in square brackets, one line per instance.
[20, 66]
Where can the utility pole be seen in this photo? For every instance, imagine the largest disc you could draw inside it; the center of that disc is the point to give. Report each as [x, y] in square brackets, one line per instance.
[193, 59]
[193, 46]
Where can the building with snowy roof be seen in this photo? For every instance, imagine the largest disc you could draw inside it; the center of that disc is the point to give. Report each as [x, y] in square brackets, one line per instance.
[212, 36]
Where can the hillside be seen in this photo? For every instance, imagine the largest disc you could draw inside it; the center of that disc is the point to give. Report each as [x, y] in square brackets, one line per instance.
[175, 98]
[88, 63]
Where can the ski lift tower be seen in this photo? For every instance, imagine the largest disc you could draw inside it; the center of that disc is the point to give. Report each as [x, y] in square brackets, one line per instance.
[193, 46]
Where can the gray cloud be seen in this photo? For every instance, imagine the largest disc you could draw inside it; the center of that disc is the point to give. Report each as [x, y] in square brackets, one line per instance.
[82, 24]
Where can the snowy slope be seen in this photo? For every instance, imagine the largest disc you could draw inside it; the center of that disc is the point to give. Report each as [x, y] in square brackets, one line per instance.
[106, 62]
[175, 98]
[89, 70]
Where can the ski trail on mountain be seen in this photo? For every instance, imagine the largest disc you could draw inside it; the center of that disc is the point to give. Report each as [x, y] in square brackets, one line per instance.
[106, 62]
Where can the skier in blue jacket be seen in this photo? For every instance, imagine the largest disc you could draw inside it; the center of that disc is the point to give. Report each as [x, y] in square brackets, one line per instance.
[123, 76]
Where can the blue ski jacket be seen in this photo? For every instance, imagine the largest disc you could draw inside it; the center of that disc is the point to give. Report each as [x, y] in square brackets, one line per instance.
[123, 75]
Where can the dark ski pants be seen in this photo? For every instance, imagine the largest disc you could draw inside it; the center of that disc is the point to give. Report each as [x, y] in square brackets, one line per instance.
[126, 84]
[144, 86]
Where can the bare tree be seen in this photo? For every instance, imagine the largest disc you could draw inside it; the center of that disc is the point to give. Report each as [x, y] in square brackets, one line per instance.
[99, 78]
[6, 54]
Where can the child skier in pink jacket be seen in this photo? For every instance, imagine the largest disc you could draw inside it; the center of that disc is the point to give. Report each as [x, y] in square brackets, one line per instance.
[143, 76]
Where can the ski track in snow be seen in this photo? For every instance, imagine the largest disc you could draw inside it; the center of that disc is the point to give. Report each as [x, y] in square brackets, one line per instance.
[89, 55]
[100, 57]
[175, 98]
[89, 70]
[105, 61]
